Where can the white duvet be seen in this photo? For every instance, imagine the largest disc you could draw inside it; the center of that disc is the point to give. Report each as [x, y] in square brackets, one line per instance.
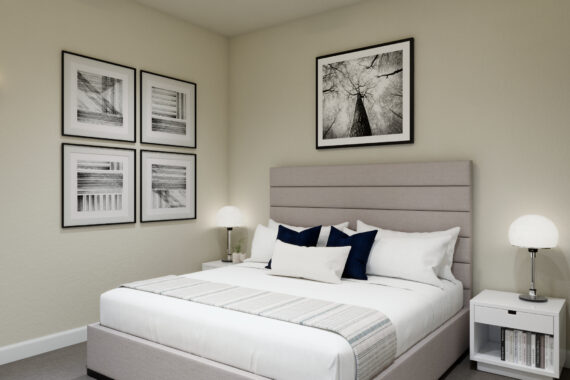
[273, 348]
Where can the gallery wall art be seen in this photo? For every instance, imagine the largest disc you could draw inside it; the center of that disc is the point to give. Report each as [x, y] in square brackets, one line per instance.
[98, 98]
[98, 185]
[168, 110]
[168, 186]
[365, 96]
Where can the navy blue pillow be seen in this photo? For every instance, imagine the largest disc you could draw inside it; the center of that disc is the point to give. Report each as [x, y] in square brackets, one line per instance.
[306, 238]
[360, 244]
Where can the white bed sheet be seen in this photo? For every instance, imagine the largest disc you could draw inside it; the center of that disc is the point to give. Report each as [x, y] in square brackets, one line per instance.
[273, 348]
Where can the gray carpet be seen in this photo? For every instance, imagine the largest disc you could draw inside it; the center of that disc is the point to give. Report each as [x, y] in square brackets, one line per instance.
[69, 364]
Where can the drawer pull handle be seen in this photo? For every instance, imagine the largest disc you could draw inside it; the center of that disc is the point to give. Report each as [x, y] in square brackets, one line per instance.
[514, 312]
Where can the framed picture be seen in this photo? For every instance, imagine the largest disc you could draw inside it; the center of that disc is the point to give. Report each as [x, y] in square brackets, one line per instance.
[98, 98]
[98, 185]
[168, 186]
[168, 110]
[365, 96]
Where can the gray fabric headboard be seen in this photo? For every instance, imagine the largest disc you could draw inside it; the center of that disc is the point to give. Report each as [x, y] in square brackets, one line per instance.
[413, 197]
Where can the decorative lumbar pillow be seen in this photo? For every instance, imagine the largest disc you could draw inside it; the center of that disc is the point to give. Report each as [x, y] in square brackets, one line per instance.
[410, 258]
[306, 238]
[444, 268]
[262, 244]
[323, 236]
[312, 263]
[360, 245]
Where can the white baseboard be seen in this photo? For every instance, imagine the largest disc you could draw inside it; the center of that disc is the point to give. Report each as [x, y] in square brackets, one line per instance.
[43, 344]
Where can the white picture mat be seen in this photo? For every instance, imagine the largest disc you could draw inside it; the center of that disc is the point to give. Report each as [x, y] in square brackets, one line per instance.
[406, 106]
[148, 213]
[149, 80]
[71, 155]
[72, 64]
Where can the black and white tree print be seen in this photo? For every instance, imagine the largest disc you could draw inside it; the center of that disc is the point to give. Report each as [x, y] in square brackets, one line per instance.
[168, 186]
[99, 99]
[363, 96]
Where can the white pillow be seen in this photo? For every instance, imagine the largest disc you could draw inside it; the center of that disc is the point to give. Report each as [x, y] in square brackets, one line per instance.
[409, 258]
[262, 244]
[444, 268]
[323, 235]
[324, 264]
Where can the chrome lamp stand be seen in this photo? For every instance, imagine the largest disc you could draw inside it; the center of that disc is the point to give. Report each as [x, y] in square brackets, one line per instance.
[532, 296]
[228, 257]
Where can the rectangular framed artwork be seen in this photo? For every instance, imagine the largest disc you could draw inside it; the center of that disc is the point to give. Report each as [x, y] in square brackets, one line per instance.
[168, 186]
[98, 185]
[98, 98]
[365, 96]
[168, 110]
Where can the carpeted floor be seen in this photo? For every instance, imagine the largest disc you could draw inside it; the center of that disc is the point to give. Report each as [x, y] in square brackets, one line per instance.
[69, 364]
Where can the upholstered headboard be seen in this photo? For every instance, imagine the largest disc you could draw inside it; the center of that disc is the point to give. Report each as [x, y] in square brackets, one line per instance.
[413, 197]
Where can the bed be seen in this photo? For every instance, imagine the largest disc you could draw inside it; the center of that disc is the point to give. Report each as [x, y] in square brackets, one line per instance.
[144, 335]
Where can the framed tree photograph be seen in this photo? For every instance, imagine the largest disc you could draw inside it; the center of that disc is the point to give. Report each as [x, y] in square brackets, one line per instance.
[365, 96]
[168, 186]
[98, 185]
[168, 110]
[98, 98]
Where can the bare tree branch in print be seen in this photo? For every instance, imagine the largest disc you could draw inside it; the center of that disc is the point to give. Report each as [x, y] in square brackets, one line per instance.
[363, 96]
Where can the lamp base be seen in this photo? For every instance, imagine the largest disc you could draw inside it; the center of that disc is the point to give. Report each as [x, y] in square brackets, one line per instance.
[227, 259]
[533, 298]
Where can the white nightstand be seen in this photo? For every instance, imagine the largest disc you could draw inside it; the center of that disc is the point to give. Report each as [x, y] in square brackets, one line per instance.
[215, 264]
[490, 310]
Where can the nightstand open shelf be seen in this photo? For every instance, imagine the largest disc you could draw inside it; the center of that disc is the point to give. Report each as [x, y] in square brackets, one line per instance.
[491, 310]
[488, 351]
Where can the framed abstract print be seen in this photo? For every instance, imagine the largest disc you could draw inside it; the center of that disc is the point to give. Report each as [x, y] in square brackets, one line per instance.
[98, 185]
[168, 110]
[365, 96]
[98, 98]
[168, 186]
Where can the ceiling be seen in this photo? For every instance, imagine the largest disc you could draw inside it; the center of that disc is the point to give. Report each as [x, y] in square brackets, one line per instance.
[233, 17]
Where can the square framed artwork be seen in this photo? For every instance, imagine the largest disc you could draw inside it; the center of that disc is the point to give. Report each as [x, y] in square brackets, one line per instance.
[365, 96]
[168, 110]
[168, 186]
[98, 98]
[98, 185]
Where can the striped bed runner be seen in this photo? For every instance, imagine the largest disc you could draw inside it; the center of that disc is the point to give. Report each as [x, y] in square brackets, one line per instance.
[369, 332]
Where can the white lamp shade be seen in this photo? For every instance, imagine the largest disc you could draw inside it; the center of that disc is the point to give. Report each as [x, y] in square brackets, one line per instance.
[229, 216]
[533, 231]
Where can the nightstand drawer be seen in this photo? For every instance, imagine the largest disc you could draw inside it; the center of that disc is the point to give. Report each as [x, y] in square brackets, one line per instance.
[515, 319]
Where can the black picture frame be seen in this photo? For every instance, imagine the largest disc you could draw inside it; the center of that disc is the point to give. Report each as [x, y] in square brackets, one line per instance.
[144, 200]
[344, 71]
[69, 125]
[173, 85]
[67, 220]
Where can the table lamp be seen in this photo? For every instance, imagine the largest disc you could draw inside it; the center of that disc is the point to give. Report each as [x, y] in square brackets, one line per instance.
[229, 217]
[533, 232]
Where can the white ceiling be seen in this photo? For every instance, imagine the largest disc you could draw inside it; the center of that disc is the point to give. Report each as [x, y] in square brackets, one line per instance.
[233, 17]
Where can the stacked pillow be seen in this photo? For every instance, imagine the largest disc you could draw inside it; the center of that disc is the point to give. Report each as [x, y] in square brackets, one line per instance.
[299, 252]
[264, 239]
[443, 267]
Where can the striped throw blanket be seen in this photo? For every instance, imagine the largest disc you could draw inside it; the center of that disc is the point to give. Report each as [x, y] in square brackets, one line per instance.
[369, 332]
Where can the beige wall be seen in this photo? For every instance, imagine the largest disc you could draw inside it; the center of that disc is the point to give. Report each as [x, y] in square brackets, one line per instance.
[51, 279]
[492, 85]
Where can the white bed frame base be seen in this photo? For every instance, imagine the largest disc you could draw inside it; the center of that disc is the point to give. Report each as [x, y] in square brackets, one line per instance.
[112, 354]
